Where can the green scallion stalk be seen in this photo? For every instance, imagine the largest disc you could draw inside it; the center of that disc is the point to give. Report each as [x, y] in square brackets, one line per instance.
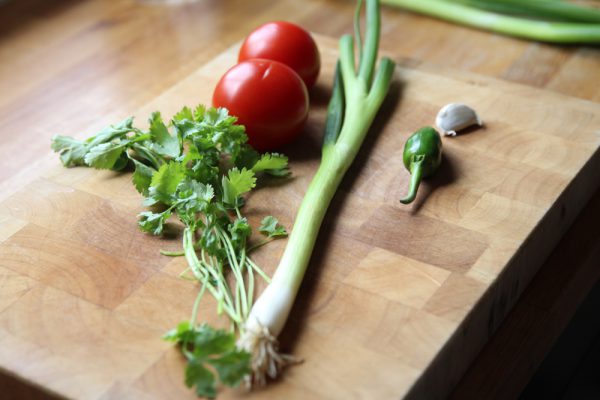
[555, 10]
[356, 99]
[533, 29]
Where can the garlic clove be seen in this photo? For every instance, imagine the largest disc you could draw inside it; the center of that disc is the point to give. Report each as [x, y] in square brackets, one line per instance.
[454, 116]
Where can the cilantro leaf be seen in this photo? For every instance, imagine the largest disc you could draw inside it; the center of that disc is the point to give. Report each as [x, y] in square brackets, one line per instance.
[146, 154]
[185, 128]
[209, 341]
[142, 177]
[273, 164]
[196, 374]
[162, 141]
[112, 132]
[232, 367]
[202, 165]
[204, 346]
[210, 243]
[71, 151]
[240, 230]
[246, 157]
[218, 127]
[104, 155]
[193, 197]
[165, 181]
[153, 222]
[121, 162]
[198, 114]
[217, 116]
[236, 183]
[232, 139]
[201, 191]
[183, 114]
[179, 334]
[270, 227]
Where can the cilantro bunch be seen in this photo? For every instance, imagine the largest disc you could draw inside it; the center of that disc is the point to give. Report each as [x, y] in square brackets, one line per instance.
[197, 168]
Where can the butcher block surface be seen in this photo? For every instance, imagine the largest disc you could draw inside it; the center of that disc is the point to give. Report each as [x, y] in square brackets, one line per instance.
[398, 299]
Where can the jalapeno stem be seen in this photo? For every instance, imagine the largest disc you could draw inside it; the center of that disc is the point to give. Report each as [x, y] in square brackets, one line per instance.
[416, 173]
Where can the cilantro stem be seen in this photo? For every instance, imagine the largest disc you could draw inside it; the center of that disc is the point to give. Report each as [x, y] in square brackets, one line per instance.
[194, 317]
[183, 275]
[140, 138]
[259, 270]
[144, 152]
[235, 267]
[250, 273]
[250, 285]
[217, 274]
[260, 244]
[197, 269]
[172, 253]
[224, 300]
[236, 300]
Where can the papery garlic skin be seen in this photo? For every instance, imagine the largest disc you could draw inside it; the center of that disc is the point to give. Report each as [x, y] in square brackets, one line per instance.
[454, 116]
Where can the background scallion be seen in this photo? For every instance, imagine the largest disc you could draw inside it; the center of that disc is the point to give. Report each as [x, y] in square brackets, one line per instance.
[552, 21]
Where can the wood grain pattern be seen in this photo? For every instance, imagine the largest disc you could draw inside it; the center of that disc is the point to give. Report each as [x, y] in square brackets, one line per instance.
[546, 306]
[412, 292]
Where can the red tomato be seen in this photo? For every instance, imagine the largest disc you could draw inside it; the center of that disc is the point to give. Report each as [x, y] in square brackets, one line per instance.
[287, 43]
[268, 98]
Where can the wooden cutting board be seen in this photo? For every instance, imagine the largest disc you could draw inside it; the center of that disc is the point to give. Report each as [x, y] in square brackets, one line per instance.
[398, 299]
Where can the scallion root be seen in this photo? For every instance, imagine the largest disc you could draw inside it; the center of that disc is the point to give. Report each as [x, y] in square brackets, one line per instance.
[267, 361]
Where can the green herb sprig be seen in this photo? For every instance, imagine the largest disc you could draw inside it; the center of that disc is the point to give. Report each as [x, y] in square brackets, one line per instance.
[198, 168]
[207, 351]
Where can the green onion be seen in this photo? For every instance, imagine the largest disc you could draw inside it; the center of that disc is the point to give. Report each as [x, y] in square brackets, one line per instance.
[542, 9]
[357, 96]
[549, 22]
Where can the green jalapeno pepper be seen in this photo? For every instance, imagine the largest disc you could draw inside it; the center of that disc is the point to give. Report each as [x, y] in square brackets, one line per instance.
[422, 156]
